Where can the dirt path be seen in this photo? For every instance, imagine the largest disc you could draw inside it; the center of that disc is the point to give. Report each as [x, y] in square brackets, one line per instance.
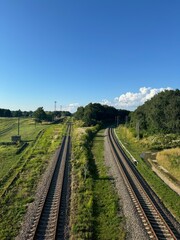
[166, 180]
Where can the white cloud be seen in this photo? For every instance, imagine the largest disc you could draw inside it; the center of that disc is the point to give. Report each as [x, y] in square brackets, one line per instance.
[128, 101]
[132, 100]
[105, 102]
[72, 107]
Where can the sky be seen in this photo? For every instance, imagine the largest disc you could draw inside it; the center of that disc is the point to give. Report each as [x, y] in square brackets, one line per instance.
[115, 52]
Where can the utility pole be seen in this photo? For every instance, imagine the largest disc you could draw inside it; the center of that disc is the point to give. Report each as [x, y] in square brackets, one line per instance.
[117, 121]
[18, 122]
[126, 120]
[18, 125]
[137, 129]
[55, 110]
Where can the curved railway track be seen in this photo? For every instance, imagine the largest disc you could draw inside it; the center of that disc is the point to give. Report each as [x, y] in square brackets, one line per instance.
[50, 219]
[155, 220]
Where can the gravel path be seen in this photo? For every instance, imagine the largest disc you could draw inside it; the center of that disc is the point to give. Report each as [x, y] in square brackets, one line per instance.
[134, 226]
[166, 180]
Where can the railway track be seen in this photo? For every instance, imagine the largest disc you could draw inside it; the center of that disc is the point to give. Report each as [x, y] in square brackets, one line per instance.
[49, 222]
[155, 221]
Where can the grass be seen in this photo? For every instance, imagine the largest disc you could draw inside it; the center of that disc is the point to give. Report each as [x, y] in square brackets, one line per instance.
[170, 199]
[107, 223]
[26, 174]
[170, 160]
[8, 158]
[81, 220]
[94, 213]
[28, 129]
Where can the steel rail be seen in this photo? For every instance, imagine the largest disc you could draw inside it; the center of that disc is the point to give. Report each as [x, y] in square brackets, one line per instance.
[47, 224]
[153, 221]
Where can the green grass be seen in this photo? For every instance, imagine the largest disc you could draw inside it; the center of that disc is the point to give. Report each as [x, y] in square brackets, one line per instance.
[170, 160]
[8, 158]
[27, 172]
[10, 162]
[94, 204]
[170, 199]
[28, 129]
[107, 223]
[81, 195]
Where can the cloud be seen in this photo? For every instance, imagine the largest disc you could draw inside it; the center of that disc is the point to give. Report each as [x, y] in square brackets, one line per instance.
[131, 100]
[72, 107]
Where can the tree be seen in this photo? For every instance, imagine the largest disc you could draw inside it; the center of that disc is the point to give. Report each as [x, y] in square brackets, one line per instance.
[95, 113]
[160, 114]
[40, 114]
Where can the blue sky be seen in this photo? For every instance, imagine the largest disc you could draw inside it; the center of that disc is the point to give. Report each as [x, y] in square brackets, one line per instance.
[80, 51]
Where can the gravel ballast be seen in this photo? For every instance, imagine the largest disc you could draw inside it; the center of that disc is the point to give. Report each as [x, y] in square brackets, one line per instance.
[134, 227]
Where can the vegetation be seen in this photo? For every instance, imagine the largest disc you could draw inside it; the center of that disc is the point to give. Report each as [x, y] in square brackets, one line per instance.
[82, 183]
[95, 113]
[20, 179]
[170, 160]
[168, 196]
[161, 114]
[107, 224]
[27, 127]
[94, 213]
[39, 114]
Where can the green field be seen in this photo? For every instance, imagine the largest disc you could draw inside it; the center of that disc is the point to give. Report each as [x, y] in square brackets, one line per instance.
[28, 129]
[20, 172]
[8, 128]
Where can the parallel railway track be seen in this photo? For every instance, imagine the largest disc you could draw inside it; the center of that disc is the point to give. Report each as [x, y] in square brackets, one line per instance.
[154, 219]
[49, 222]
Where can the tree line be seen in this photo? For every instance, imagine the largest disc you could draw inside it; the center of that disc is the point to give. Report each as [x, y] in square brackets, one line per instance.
[39, 114]
[95, 113]
[160, 114]
[18, 113]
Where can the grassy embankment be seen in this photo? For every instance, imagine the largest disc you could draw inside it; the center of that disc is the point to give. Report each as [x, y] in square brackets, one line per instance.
[94, 204]
[170, 199]
[170, 160]
[20, 177]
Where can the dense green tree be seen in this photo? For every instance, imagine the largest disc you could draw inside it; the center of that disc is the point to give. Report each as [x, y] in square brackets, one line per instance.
[95, 113]
[40, 114]
[161, 114]
[5, 113]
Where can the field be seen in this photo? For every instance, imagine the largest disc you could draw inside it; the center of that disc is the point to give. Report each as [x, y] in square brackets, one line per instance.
[21, 170]
[8, 128]
[28, 129]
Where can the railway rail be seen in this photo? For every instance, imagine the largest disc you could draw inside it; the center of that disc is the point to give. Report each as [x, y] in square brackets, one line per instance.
[49, 222]
[155, 221]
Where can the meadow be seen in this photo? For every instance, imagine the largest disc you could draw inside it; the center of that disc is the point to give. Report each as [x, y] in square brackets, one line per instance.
[170, 160]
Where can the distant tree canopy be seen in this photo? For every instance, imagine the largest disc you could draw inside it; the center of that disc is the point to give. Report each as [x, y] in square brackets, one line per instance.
[95, 113]
[40, 114]
[5, 113]
[161, 114]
